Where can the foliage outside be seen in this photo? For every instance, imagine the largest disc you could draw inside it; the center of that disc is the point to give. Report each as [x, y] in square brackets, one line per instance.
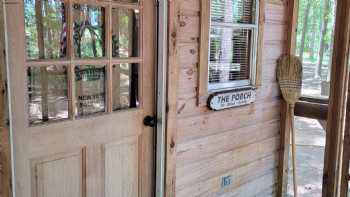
[314, 43]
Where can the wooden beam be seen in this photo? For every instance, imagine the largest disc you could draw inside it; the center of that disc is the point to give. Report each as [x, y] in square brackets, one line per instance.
[311, 110]
[5, 160]
[337, 101]
[292, 10]
[315, 100]
[345, 177]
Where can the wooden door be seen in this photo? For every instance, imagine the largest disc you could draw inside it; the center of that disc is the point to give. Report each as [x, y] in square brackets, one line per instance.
[81, 82]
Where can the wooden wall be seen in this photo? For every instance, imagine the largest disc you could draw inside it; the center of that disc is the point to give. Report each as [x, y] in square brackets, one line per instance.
[242, 142]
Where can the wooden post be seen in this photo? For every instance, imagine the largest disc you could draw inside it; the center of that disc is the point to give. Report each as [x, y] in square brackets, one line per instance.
[346, 152]
[5, 160]
[337, 101]
[345, 177]
[292, 7]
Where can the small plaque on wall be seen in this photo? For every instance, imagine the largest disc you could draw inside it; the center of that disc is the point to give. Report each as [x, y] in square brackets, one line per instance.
[234, 98]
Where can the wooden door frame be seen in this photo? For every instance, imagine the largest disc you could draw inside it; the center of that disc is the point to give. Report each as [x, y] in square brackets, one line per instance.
[161, 56]
[161, 94]
[340, 170]
[5, 146]
[337, 101]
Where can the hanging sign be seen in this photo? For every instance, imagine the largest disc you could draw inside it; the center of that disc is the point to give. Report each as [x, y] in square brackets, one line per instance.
[236, 98]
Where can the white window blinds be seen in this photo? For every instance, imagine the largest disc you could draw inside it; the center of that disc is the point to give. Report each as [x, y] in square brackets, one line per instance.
[232, 46]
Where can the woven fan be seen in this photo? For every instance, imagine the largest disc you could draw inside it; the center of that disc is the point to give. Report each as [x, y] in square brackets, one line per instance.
[289, 76]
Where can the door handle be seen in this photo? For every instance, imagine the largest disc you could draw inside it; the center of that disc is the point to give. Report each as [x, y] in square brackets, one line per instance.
[149, 121]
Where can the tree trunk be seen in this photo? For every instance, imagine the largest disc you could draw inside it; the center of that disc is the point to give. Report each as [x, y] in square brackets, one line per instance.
[332, 44]
[313, 39]
[43, 71]
[50, 43]
[304, 30]
[324, 29]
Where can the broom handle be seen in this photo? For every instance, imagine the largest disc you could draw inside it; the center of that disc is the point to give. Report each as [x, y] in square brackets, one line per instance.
[295, 184]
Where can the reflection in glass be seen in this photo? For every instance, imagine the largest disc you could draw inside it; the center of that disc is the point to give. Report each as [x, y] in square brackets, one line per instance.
[48, 94]
[89, 34]
[89, 89]
[229, 54]
[45, 29]
[125, 32]
[125, 86]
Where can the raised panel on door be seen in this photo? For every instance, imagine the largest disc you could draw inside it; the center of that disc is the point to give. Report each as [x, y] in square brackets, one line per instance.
[122, 168]
[59, 175]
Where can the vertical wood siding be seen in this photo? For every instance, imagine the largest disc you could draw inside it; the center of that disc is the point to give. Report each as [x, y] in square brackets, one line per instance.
[241, 142]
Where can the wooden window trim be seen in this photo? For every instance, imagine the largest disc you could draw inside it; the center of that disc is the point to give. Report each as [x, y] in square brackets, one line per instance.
[202, 89]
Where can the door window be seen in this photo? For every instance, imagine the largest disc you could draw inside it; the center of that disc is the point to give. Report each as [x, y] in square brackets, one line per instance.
[48, 93]
[82, 58]
[89, 28]
[45, 27]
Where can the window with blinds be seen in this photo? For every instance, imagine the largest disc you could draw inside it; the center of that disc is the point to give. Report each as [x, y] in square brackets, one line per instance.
[233, 43]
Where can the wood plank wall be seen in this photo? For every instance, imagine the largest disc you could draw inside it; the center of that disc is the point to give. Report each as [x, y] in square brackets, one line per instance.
[242, 142]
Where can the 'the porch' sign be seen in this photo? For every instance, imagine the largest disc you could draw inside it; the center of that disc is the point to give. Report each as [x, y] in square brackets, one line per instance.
[220, 101]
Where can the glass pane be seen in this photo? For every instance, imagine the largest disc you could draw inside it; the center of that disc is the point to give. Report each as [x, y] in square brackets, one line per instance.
[45, 29]
[125, 29]
[314, 45]
[89, 31]
[233, 11]
[229, 55]
[90, 89]
[48, 93]
[125, 86]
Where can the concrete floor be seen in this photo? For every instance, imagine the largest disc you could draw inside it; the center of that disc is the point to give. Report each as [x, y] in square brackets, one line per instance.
[310, 140]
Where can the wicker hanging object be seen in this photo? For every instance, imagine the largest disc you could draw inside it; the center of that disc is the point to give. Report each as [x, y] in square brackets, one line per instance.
[289, 76]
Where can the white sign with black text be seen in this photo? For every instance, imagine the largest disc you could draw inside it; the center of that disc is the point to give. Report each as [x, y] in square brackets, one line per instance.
[220, 101]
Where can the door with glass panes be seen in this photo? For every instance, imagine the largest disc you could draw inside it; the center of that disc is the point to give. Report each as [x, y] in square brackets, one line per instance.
[81, 80]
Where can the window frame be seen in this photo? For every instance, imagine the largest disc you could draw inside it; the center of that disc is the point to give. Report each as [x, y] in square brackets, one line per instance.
[255, 53]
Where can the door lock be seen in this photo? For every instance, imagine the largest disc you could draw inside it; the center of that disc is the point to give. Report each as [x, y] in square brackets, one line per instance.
[149, 121]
